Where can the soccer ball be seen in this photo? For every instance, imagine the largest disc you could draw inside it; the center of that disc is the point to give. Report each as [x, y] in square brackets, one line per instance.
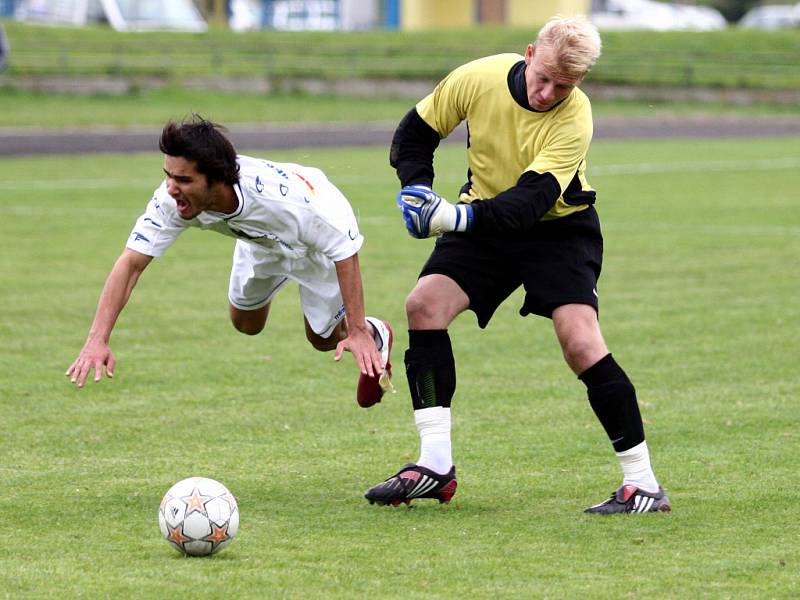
[198, 516]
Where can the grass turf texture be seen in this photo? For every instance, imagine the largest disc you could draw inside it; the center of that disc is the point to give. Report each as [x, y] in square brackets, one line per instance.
[698, 301]
[152, 107]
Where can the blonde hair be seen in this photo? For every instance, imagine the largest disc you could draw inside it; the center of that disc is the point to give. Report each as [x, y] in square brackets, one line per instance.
[575, 43]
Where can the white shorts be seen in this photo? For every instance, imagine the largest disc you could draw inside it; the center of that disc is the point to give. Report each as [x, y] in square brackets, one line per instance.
[256, 276]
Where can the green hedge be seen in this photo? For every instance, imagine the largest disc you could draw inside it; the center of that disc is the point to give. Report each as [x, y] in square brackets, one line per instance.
[726, 59]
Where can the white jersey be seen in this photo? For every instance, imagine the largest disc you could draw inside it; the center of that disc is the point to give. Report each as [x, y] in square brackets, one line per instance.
[291, 211]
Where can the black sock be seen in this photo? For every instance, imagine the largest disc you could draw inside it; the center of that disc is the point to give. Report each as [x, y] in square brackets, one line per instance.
[613, 399]
[430, 368]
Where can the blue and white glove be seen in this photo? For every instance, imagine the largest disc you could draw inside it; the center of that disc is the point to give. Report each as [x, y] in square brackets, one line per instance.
[427, 214]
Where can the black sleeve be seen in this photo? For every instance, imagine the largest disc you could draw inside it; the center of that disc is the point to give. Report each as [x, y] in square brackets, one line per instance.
[412, 150]
[517, 208]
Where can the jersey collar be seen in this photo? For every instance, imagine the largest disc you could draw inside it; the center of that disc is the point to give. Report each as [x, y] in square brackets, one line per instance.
[239, 196]
[519, 89]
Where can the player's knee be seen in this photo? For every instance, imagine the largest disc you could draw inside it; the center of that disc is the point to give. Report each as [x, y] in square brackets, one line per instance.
[247, 327]
[434, 302]
[322, 344]
[420, 307]
[580, 354]
[247, 324]
[326, 344]
[579, 335]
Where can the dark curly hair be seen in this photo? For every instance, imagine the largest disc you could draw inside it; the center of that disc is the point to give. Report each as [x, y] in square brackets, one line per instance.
[203, 142]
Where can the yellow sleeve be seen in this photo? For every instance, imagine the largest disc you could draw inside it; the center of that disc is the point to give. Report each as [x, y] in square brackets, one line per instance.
[445, 107]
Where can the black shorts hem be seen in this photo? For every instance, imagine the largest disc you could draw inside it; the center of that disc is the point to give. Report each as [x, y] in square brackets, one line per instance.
[546, 310]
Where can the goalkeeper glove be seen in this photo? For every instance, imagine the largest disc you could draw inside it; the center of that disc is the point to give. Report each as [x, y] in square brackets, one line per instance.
[427, 214]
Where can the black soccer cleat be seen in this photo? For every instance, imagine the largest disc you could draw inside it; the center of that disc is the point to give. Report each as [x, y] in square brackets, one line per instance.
[630, 499]
[414, 481]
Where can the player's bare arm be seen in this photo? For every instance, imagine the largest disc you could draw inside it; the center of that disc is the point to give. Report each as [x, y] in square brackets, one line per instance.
[96, 353]
[359, 340]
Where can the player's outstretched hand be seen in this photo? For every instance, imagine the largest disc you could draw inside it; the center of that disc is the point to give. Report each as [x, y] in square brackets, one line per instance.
[362, 346]
[93, 357]
[427, 214]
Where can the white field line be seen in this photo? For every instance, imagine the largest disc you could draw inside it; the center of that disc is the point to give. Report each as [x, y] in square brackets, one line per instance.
[704, 229]
[599, 170]
[72, 184]
[716, 166]
[648, 228]
[767, 164]
[386, 221]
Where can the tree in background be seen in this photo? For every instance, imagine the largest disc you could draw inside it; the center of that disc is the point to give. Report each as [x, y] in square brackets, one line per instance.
[733, 10]
[3, 48]
[214, 11]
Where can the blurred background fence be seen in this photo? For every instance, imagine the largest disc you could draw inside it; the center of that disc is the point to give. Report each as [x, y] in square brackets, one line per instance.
[391, 58]
[727, 59]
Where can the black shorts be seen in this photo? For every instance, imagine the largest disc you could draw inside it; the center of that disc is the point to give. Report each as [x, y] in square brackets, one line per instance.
[558, 263]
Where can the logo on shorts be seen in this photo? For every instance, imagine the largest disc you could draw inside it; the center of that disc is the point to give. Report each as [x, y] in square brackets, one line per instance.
[594, 291]
[340, 314]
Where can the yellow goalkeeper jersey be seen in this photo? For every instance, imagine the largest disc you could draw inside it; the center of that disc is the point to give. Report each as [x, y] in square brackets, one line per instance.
[507, 139]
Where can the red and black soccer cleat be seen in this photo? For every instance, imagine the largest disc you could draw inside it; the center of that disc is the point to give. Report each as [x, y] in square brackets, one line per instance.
[414, 481]
[630, 499]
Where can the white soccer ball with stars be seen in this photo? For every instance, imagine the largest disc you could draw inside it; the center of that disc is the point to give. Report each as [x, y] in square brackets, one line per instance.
[198, 516]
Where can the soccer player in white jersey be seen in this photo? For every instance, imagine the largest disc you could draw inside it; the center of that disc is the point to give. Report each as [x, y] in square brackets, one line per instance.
[526, 217]
[290, 224]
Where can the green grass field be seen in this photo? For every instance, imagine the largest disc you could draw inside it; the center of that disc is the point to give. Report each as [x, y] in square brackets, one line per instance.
[698, 303]
[26, 110]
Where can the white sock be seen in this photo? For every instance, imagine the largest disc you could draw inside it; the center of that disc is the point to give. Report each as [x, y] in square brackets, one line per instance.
[436, 451]
[636, 468]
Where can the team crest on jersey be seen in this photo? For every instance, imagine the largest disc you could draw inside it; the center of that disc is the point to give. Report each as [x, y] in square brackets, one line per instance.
[259, 184]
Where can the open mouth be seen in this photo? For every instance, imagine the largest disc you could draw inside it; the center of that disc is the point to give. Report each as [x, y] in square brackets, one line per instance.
[182, 206]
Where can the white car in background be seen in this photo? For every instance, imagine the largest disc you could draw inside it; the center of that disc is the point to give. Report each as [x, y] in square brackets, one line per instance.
[772, 17]
[122, 15]
[245, 15]
[656, 16]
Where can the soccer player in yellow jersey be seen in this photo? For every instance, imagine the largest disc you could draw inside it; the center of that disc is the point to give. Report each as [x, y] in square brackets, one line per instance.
[525, 217]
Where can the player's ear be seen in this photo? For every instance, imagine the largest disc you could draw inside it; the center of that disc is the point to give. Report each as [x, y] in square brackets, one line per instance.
[529, 52]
